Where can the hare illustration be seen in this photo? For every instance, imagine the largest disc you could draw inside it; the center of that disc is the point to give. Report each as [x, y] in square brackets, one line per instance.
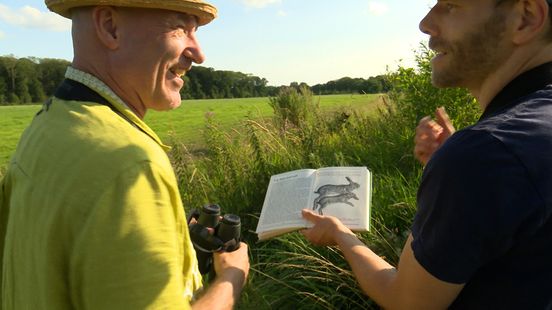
[330, 189]
[324, 201]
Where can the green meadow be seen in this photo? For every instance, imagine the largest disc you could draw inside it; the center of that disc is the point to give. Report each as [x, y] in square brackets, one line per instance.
[186, 123]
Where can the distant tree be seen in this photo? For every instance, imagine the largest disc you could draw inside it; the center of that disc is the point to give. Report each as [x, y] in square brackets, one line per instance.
[204, 83]
[9, 64]
[294, 85]
[3, 91]
[31, 80]
[27, 81]
[36, 91]
[52, 72]
[372, 85]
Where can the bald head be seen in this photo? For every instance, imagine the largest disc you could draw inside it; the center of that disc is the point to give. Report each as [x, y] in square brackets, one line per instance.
[85, 42]
[141, 54]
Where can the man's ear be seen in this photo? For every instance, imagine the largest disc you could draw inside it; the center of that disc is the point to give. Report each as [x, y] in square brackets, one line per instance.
[106, 22]
[531, 21]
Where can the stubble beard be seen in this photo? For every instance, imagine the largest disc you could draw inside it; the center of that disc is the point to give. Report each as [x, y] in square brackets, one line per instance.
[472, 58]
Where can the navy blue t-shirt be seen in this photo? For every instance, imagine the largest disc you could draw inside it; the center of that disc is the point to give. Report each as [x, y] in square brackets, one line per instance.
[485, 202]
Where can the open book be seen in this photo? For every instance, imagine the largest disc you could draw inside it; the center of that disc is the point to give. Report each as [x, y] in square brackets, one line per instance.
[343, 192]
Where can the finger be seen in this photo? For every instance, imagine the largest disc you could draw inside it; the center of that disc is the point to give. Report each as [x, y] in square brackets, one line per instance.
[423, 151]
[425, 144]
[429, 127]
[423, 123]
[444, 120]
[309, 215]
[428, 143]
[243, 247]
[420, 152]
[421, 156]
[422, 133]
[424, 120]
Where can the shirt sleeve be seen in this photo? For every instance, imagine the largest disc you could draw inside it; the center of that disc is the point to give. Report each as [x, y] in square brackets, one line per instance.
[4, 213]
[128, 254]
[471, 203]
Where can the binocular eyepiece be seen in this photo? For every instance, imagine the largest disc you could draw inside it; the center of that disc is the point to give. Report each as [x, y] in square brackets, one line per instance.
[226, 236]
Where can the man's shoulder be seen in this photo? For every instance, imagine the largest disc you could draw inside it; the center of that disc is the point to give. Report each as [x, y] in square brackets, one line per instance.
[467, 147]
[99, 129]
[471, 157]
[524, 112]
[517, 129]
[86, 134]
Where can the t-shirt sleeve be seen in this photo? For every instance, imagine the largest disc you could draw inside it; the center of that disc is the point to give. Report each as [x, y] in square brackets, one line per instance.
[471, 202]
[127, 254]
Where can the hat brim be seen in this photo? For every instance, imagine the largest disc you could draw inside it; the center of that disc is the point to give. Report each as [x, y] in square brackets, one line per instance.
[204, 12]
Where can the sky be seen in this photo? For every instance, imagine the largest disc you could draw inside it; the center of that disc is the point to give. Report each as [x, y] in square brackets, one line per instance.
[284, 41]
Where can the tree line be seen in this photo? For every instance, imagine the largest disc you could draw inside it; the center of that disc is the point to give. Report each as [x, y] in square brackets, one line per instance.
[32, 80]
[28, 80]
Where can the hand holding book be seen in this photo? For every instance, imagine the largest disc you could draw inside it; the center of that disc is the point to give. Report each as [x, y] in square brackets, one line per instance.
[342, 192]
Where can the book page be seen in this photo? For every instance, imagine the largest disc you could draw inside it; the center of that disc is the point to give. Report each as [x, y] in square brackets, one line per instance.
[343, 192]
[288, 193]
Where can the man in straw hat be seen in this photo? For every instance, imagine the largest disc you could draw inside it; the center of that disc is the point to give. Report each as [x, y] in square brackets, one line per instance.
[482, 235]
[90, 212]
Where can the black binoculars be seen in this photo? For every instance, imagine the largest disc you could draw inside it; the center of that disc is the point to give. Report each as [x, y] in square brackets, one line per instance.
[226, 235]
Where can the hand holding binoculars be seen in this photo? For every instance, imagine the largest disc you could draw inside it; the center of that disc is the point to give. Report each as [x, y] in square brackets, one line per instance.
[211, 234]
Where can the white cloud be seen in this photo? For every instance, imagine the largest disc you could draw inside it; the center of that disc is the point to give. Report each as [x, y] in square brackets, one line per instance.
[377, 8]
[282, 13]
[29, 17]
[259, 3]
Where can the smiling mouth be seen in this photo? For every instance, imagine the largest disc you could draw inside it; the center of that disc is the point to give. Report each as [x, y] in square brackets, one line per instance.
[439, 52]
[178, 72]
[438, 46]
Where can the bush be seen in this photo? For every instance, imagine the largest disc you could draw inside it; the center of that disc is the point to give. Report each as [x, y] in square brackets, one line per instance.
[415, 96]
[292, 107]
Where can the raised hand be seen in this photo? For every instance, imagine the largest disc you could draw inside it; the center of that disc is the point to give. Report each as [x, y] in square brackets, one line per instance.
[431, 134]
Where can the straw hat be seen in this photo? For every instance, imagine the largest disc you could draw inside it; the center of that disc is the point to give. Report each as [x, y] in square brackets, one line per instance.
[205, 12]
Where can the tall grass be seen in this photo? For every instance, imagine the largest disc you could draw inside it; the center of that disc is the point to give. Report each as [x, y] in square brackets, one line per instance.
[288, 272]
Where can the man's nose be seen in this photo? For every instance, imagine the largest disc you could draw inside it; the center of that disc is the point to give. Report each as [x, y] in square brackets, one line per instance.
[427, 24]
[194, 51]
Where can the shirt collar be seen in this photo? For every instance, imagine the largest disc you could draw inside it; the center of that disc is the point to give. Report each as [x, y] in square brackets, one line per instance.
[107, 93]
[523, 85]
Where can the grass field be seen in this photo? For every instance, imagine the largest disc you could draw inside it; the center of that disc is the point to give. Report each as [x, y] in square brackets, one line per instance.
[13, 120]
[184, 124]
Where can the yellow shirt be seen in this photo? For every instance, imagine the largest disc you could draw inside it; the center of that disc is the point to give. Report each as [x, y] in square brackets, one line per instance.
[90, 213]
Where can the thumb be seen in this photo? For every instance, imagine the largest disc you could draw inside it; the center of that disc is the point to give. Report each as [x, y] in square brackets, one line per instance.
[309, 215]
[444, 120]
